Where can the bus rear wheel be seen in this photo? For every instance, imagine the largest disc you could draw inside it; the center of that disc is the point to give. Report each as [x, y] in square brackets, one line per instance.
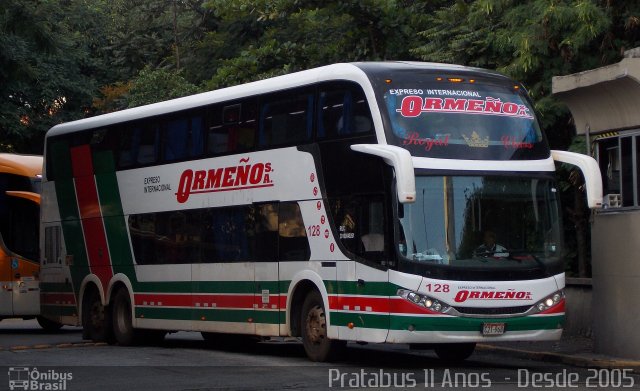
[123, 330]
[455, 352]
[317, 345]
[95, 317]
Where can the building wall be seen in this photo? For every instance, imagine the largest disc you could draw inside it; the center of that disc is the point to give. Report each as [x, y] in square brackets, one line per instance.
[616, 283]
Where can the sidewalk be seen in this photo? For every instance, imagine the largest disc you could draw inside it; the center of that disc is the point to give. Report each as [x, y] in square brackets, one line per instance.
[571, 350]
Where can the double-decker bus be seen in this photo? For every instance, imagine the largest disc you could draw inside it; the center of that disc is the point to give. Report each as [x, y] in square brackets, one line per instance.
[20, 177]
[388, 202]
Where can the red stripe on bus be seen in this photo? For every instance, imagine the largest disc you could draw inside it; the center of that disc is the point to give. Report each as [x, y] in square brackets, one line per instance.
[376, 304]
[91, 217]
[227, 301]
[81, 163]
[231, 188]
[170, 300]
[163, 300]
[87, 195]
[556, 309]
[55, 298]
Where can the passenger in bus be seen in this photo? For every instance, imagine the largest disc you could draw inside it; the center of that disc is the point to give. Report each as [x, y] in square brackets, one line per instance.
[489, 247]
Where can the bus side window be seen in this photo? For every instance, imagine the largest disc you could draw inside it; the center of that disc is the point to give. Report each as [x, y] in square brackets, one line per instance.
[217, 138]
[286, 120]
[232, 128]
[292, 243]
[142, 229]
[138, 146]
[183, 138]
[342, 111]
[229, 237]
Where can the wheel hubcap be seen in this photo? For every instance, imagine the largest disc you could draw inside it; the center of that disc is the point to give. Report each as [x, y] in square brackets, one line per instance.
[97, 315]
[316, 325]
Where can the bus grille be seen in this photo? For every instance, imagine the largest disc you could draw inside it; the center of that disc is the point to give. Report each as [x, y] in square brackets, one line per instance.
[493, 311]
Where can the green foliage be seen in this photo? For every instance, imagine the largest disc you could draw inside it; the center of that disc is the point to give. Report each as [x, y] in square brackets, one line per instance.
[259, 39]
[532, 41]
[158, 85]
[45, 68]
[61, 60]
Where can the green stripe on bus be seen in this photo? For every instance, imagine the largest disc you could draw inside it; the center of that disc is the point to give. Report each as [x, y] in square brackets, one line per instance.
[61, 160]
[475, 324]
[69, 213]
[394, 322]
[370, 288]
[114, 222]
[213, 315]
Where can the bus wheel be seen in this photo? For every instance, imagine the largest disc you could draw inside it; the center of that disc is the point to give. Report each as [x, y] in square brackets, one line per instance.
[95, 318]
[48, 325]
[455, 351]
[122, 323]
[316, 343]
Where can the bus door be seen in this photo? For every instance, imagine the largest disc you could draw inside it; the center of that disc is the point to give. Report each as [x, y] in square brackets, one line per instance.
[364, 290]
[26, 288]
[280, 236]
[19, 284]
[266, 299]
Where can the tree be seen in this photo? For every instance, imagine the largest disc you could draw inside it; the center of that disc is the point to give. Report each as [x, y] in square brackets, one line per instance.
[158, 85]
[259, 39]
[45, 69]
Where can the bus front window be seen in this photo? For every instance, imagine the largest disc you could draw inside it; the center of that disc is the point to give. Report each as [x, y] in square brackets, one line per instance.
[489, 223]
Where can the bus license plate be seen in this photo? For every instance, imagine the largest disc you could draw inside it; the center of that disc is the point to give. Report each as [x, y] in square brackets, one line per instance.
[493, 328]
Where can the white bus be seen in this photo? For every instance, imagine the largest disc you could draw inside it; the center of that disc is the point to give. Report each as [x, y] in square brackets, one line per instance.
[387, 202]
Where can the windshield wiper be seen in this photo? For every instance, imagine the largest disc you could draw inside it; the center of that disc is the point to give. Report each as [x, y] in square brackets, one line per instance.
[483, 256]
[528, 255]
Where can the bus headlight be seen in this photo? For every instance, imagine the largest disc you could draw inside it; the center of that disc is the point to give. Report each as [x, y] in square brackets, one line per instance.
[423, 300]
[550, 301]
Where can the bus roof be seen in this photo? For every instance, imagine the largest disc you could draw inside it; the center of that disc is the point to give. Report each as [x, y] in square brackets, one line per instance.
[25, 165]
[344, 71]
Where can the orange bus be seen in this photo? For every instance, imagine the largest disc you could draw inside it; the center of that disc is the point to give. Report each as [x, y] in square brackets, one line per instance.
[20, 177]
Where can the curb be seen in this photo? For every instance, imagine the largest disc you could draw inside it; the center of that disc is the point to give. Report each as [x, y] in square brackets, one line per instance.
[51, 346]
[575, 360]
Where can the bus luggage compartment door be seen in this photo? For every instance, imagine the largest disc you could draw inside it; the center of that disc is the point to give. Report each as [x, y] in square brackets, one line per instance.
[26, 290]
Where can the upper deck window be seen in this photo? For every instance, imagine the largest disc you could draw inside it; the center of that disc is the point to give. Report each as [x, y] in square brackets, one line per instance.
[461, 118]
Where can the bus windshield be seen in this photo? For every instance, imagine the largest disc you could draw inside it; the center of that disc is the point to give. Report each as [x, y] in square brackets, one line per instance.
[483, 222]
[465, 120]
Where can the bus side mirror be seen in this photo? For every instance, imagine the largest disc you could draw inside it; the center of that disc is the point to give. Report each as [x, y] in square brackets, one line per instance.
[590, 171]
[402, 163]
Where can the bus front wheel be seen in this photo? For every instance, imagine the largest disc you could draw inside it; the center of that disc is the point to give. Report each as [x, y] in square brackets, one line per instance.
[316, 343]
[455, 351]
[122, 323]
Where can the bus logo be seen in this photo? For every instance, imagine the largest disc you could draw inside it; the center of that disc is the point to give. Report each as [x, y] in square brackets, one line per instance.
[19, 378]
[464, 295]
[24, 378]
[243, 176]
